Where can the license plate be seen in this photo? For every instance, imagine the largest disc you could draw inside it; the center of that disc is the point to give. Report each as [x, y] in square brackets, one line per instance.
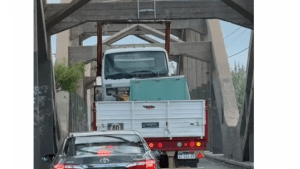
[115, 126]
[186, 156]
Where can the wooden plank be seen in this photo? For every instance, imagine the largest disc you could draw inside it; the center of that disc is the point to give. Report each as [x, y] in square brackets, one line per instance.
[64, 12]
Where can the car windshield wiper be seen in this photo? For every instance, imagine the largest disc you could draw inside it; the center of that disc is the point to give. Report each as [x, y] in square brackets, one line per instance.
[144, 71]
[118, 74]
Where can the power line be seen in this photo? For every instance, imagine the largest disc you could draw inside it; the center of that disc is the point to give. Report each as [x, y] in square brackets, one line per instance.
[232, 33]
[236, 38]
[238, 52]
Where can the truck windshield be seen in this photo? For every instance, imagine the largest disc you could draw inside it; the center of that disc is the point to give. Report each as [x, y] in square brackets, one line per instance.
[132, 64]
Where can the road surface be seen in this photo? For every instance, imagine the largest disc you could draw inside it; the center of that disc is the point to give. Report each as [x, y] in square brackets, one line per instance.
[211, 165]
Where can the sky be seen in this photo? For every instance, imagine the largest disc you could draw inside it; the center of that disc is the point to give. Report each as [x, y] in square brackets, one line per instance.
[236, 40]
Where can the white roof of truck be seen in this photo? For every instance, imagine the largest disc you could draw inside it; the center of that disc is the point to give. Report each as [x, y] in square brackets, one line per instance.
[131, 49]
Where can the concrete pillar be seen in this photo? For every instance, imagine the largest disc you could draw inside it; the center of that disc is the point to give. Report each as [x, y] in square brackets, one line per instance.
[62, 97]
[37, 154]
[88, 98]
[93, 73]
[224, 94]
[215, 136]
[196, 71]
[44, 90]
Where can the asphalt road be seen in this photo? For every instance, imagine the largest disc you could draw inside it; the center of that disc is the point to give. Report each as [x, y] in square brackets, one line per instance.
[210, 165]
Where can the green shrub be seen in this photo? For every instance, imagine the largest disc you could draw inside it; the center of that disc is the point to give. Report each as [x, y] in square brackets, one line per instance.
[239, 82]
[68, 77]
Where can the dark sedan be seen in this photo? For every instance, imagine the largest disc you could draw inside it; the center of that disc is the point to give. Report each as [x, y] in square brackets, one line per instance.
[109, 149]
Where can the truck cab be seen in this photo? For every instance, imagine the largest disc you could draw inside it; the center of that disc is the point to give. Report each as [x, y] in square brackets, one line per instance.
[123, 64]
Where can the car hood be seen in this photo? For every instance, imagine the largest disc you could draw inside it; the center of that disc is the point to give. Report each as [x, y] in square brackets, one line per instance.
[119, 161]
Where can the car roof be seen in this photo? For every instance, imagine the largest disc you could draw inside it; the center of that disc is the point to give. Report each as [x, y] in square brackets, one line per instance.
[95, 133]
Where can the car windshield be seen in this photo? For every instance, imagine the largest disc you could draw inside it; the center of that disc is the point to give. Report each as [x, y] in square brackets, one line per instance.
[130, 64]
[97, 145]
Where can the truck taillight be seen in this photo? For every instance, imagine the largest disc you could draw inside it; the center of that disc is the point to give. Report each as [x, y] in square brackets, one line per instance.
[151, 145]
[160, 145]
[147, 164]
[192, 144]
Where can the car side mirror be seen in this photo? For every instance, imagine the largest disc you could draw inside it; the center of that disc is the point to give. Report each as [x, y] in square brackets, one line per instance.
[157, 153]
[48, 158]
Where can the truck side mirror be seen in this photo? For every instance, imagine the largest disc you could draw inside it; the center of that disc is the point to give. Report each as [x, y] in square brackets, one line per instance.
[173, 67]
[48, 158]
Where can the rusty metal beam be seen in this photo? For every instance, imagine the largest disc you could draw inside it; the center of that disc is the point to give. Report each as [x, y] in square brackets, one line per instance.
[64, 12]
[99, 49]
[167, 38]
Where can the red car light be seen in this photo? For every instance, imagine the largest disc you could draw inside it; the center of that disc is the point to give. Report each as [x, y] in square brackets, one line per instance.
[103, 153]
[59, 166]
[148, 164]
[192, 144]
[66, 166]
[160, 145]
[185, 144]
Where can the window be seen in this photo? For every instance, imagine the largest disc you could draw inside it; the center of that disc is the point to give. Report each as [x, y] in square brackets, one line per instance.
[129, 64]
[91, 145]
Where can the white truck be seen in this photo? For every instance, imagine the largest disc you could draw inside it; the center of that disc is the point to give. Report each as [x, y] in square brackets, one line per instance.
[137, 92]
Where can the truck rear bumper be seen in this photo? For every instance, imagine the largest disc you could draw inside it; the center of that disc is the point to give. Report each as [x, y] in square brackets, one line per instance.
[177, 144]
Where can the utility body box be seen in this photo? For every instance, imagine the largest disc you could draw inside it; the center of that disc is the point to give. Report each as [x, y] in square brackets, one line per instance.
[182, 118]
[163, 88]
